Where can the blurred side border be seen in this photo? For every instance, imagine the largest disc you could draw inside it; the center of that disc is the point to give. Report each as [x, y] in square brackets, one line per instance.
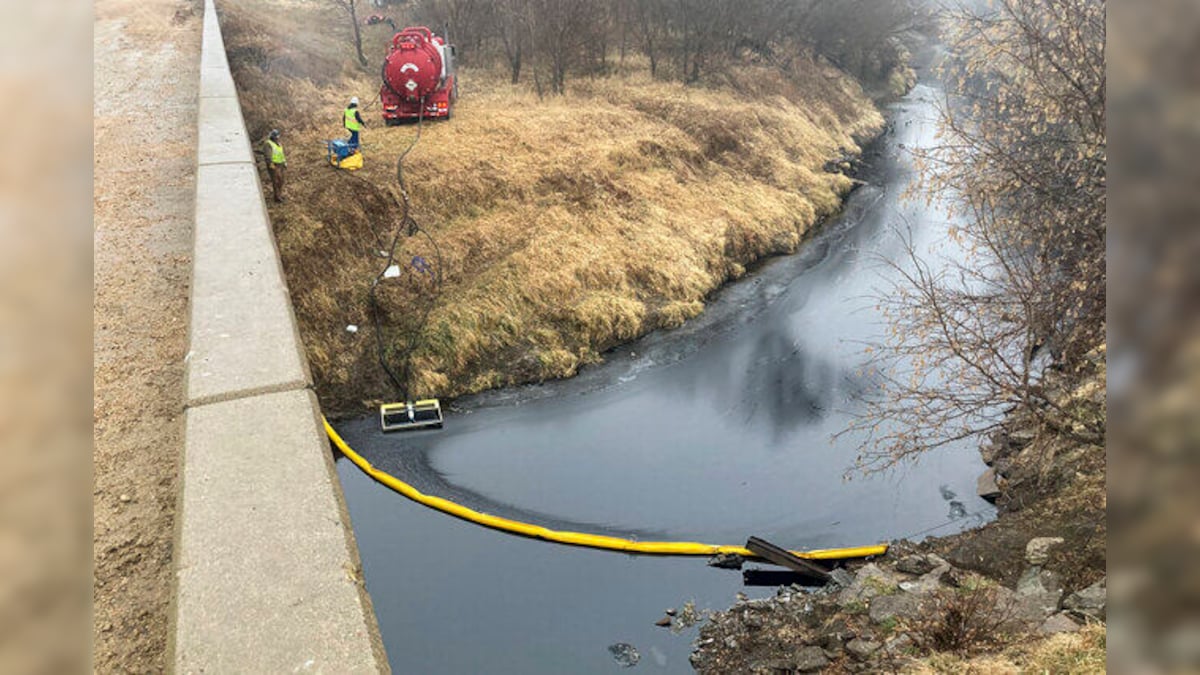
[1154, 336]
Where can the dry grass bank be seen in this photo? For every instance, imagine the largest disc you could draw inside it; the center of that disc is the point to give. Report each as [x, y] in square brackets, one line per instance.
[565, 226]
[1081, 653]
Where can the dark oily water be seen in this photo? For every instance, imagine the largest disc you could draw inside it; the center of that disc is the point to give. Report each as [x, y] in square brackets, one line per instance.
[712, 433]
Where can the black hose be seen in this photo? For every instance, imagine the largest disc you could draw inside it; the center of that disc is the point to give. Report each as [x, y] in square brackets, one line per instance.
[407, 226]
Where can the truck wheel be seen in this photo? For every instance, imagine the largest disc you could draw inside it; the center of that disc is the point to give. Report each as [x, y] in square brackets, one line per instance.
[391, 122]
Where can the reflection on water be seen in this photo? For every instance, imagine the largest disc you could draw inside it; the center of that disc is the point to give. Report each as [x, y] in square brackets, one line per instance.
[714, 432]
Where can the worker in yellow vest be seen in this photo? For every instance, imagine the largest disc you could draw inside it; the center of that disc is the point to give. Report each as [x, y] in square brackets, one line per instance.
[276, 163]
[353, 121]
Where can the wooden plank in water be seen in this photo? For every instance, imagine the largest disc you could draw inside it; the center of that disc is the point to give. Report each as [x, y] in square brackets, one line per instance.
[768, 551]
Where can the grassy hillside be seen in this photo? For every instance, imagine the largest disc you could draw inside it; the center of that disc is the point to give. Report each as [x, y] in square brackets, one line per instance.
[564, 226]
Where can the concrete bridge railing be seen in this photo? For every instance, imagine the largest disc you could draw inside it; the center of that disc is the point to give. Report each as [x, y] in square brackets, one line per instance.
[267, 570]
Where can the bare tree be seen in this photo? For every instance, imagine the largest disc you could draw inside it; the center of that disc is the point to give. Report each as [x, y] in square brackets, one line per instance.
[470, 23]
[513, 32]
[553, 40]
[861, 37]
[652, 28]
[559, 34]
[1020, 322]
[350, 7]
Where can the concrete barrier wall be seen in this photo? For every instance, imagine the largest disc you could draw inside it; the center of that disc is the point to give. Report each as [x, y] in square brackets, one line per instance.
[267, 571]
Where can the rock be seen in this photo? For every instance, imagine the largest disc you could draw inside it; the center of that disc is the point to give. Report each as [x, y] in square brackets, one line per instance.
[664, 622]
[931, 580]
[840, 625]
[1016, 615]
[1038, 594]
[988, 452]
[670, 611]
[125, 499]
[832, 644]
[861, 650]
[1058, 623]
[915, 564]
[986, 485]
[810, 658]
[1019, 438]
[1037, 551]
[625, 654]
[1089, 602]
[870, 582]
[726, 561]
[899, 643]
[836, 632]
[841, 577]
[901, 605]
[953, 577]
[1036, 580]
[1003, 467]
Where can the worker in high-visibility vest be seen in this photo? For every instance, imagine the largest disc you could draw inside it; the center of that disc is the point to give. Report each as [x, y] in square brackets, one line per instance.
[276, 163]
[353, 121]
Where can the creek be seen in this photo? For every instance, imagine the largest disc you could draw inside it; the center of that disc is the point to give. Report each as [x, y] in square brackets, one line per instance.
[716, 431]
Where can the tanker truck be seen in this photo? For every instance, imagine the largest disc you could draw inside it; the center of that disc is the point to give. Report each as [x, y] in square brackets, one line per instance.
[419, 65]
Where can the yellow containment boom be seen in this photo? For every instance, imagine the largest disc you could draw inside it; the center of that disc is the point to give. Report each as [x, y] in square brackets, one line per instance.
[575, 538]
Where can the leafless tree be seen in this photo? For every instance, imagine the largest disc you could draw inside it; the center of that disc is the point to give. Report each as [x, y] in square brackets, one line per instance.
[513, 31]
[559, 33]
[697, 37]
[1021, 321]
[469, 24]
[652, 28]
[350, 7]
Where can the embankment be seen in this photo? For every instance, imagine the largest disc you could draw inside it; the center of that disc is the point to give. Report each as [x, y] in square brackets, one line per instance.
[563, 226]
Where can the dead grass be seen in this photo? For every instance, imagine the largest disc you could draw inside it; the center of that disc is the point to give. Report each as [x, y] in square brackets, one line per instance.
[1079, 653]
[566, 226]
[963, 621]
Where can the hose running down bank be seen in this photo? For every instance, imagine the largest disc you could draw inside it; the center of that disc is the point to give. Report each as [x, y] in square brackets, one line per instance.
[573, 538]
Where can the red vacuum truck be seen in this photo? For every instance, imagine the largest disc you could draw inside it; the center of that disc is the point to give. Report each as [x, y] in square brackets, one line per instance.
[419, 65]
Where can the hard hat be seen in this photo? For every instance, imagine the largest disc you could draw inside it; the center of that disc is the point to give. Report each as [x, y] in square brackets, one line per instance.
[274, 134]
[353, 100]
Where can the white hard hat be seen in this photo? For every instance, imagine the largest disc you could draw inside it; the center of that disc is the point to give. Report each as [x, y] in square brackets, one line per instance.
[353, 100]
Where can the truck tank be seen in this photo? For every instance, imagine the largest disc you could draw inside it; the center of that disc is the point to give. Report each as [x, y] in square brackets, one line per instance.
[419, 65]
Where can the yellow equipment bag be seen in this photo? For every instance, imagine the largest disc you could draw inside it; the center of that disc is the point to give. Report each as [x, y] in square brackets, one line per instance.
[350, 163]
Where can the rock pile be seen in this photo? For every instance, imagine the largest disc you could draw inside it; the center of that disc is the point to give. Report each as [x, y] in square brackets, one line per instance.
[888, 612]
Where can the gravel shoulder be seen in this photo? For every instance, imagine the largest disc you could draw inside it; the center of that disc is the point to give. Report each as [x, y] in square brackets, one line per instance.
[145, 87]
